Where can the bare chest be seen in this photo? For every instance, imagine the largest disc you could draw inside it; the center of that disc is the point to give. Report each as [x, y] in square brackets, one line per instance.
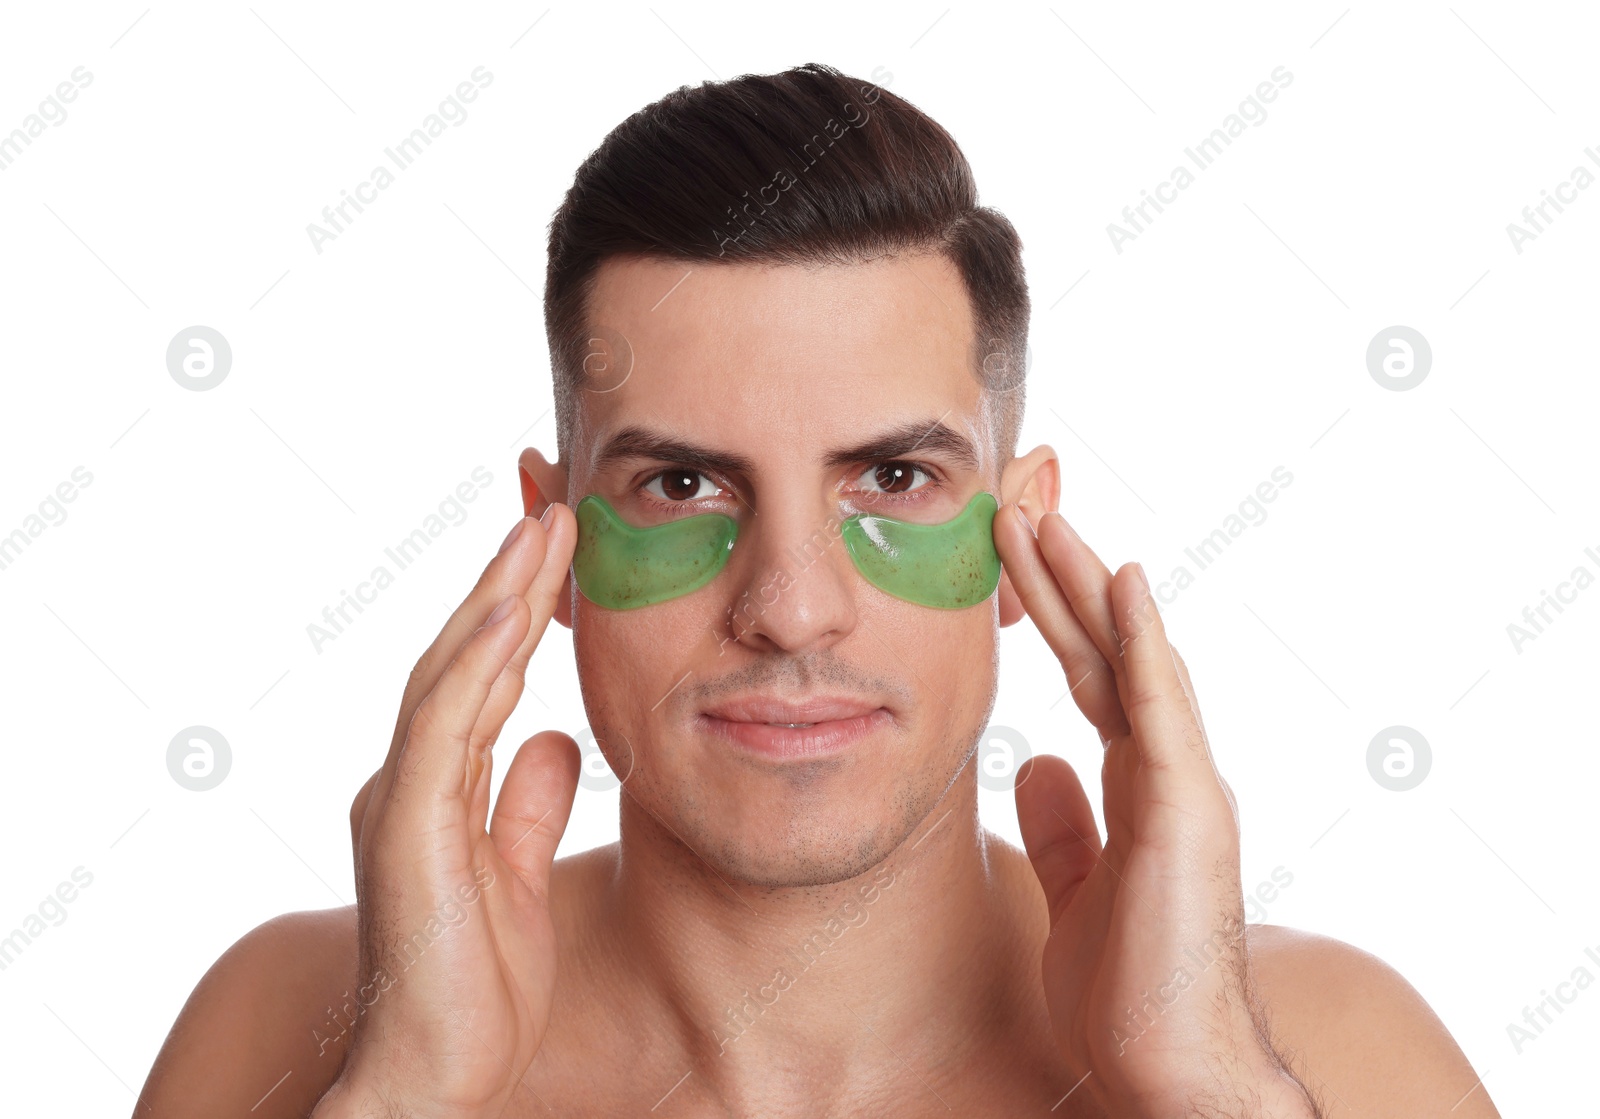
[1027, 1080]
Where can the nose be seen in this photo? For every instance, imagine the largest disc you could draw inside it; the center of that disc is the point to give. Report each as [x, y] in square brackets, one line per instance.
[796, 587]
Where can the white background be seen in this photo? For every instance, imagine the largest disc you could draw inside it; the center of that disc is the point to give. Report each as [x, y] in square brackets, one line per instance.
[369, 380]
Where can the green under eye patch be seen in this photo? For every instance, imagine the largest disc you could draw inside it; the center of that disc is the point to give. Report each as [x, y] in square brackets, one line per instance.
[946, 566]
[620, 567]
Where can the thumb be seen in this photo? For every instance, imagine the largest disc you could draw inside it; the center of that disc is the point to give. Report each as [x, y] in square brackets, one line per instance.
[531, 811]
[1058, 828]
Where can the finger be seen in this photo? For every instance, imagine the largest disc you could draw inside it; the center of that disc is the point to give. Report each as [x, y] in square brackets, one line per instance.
[358, 808]
[542, 597]
[478, 798]
[1058, 828]
[1188, 691]
[431, 769]
[1119, 776]
[1233, 801]
[509, 572]
[535, 801]
[513, 570]
[1089, 677]
[1085, 579]
[559, 529]
[1194, 705]
[1171, 745]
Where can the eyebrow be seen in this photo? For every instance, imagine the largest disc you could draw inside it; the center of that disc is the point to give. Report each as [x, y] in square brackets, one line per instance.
[930, 437]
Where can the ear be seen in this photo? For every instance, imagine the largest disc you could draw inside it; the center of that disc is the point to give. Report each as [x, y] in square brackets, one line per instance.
[1034, 483]
[542, 483]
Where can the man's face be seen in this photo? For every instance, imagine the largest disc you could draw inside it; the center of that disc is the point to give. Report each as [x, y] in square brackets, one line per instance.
[779, 377]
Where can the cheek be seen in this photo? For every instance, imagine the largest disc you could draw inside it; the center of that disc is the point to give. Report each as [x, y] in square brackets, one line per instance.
[948, 659]
[632, 657]
[632, 668]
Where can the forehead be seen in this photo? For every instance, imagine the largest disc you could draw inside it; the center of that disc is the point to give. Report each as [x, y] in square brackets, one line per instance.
[783, 359]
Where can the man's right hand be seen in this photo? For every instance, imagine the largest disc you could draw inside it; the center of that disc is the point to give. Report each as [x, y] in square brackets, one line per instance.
[457, 947]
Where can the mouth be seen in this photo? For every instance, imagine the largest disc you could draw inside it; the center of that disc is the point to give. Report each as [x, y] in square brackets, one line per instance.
[779, 729]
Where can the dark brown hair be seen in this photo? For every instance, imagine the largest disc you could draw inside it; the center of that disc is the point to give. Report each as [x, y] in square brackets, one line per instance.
[858, 174]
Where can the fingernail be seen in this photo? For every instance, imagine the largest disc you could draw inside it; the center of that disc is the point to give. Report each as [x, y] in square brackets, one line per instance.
[516, 530]
[549, 512]
[1143, 582]
[502, 610]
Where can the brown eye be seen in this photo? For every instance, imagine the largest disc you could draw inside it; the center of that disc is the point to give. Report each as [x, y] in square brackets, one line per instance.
[677, 485]
[894, 477]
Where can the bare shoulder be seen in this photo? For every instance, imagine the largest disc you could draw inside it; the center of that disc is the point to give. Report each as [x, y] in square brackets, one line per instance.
[262, 1032]
[1357, 1033]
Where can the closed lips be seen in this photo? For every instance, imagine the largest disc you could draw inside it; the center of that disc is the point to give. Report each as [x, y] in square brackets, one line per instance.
[803, 713]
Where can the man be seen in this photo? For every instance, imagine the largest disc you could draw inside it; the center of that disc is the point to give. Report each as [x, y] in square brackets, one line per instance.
[776, 300]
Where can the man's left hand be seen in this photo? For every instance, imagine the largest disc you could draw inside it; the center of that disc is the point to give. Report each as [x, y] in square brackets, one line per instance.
[1146, 972]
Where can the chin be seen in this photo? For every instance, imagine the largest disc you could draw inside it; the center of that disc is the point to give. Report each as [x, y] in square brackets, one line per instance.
[765, 860]
[794, 829]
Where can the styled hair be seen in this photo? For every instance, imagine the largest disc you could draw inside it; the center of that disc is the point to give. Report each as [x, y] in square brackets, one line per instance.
[808, 166]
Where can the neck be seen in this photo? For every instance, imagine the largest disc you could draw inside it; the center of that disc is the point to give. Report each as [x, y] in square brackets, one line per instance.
[746, 980]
